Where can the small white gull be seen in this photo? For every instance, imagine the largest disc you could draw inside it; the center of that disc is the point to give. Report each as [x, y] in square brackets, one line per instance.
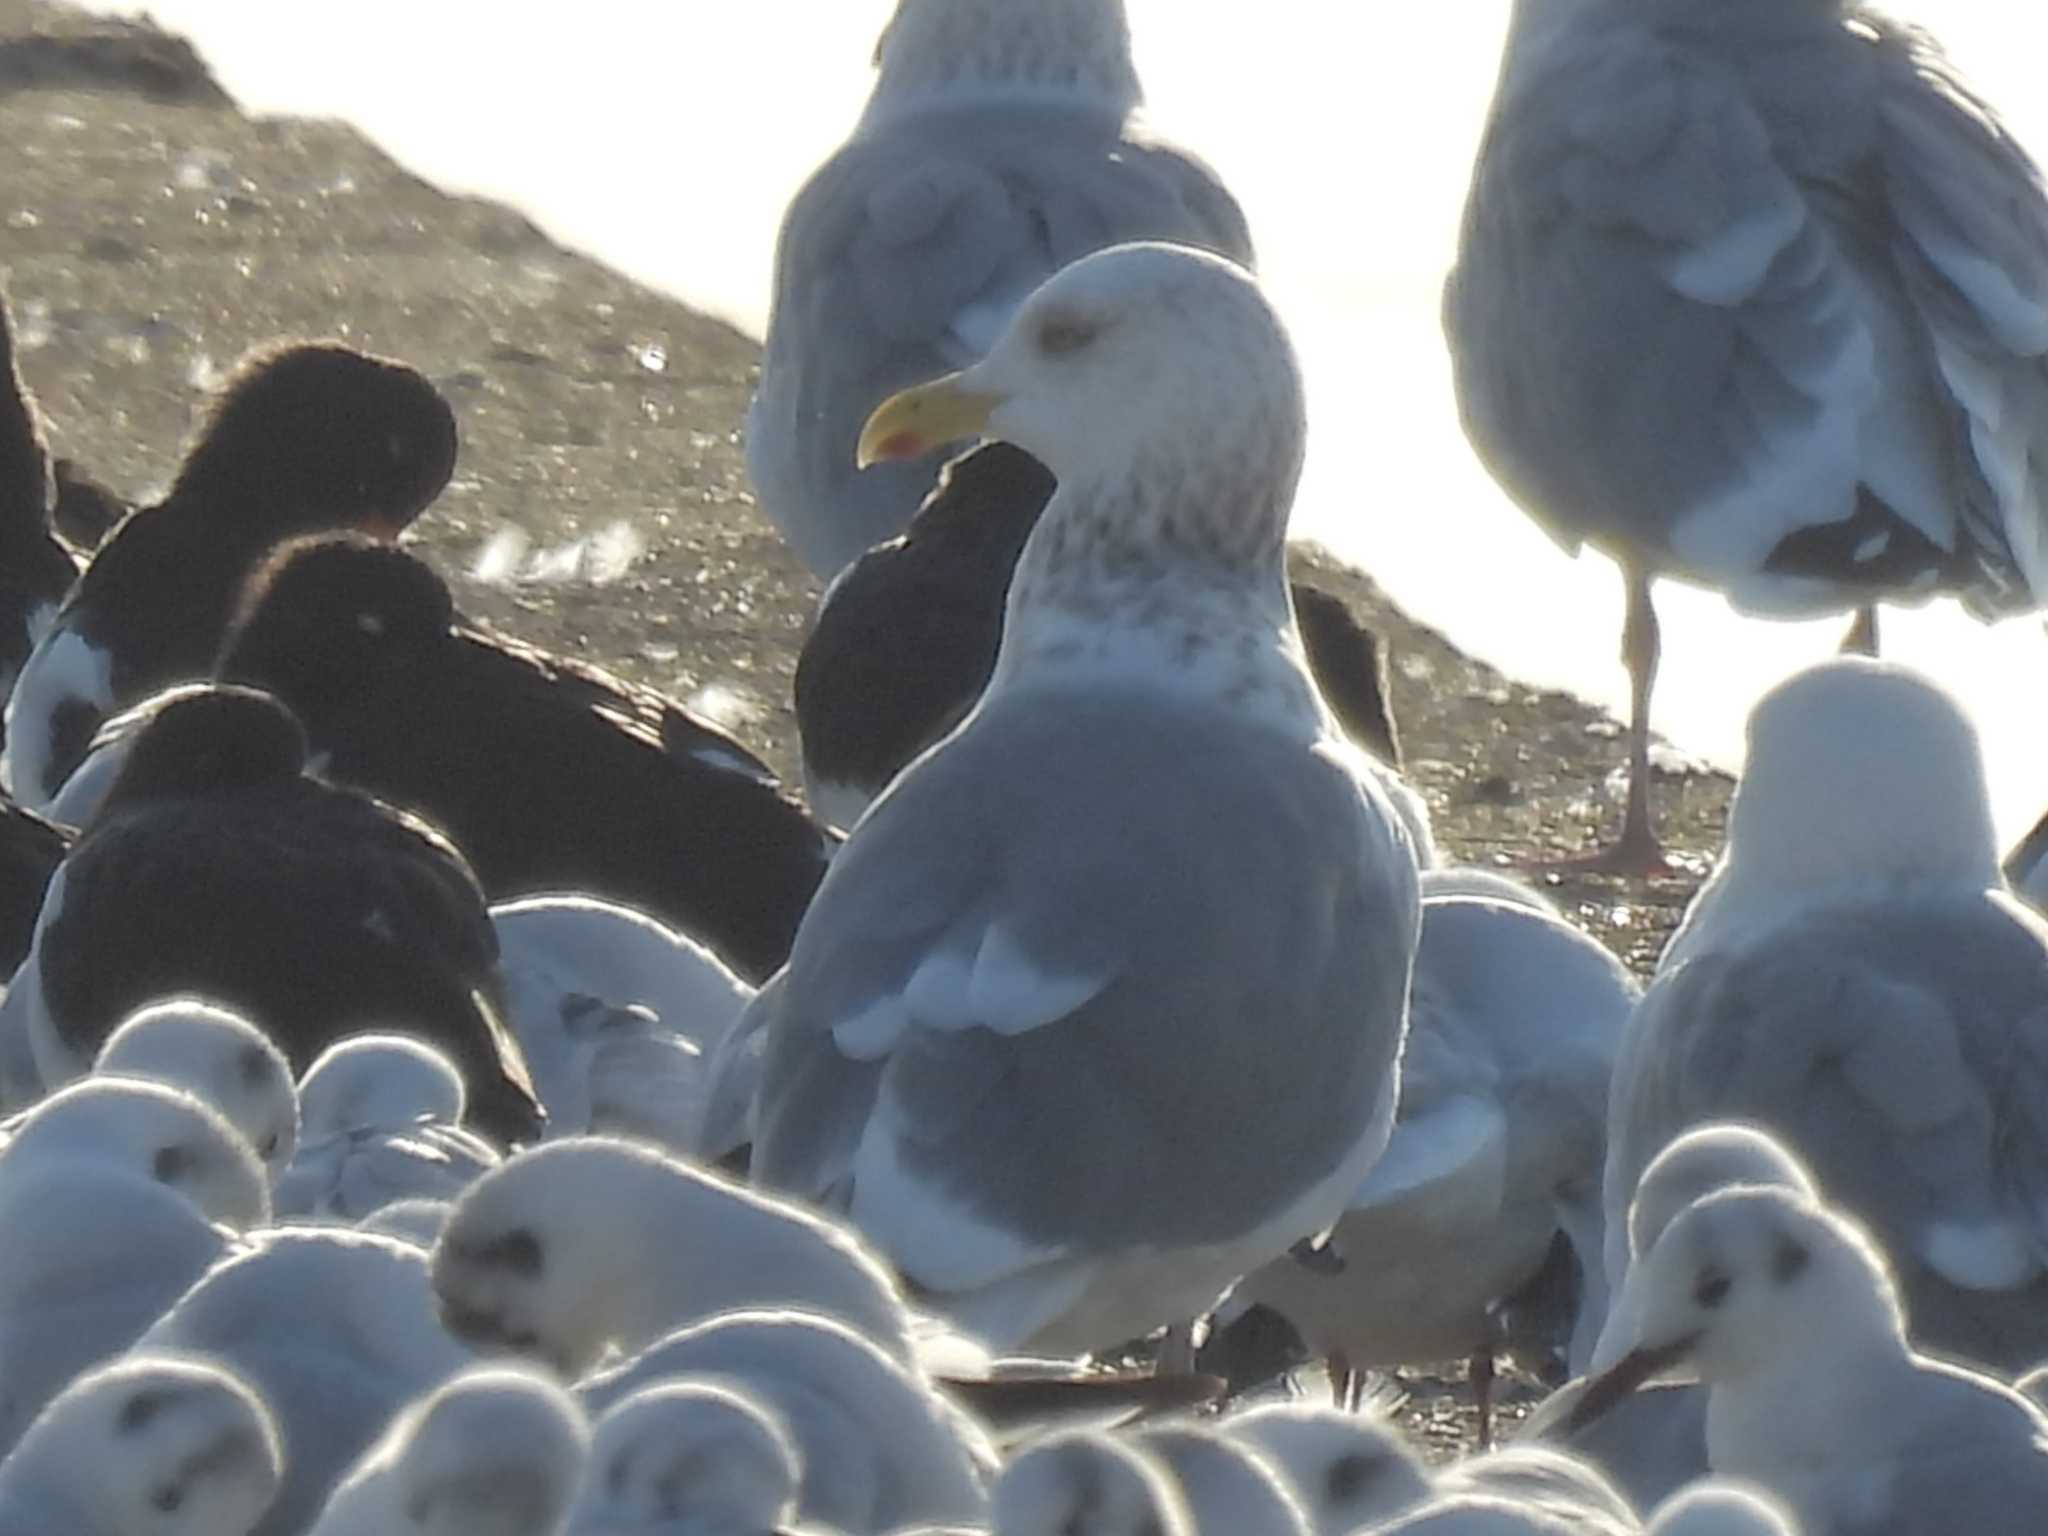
[152, 1445]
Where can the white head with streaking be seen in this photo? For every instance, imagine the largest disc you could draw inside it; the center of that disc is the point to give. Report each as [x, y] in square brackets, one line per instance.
[1161, 556]
[151, 1132]
[690, 1458]
[152, 1445]
[494, 1452]
[223, 1058]
[939, 53]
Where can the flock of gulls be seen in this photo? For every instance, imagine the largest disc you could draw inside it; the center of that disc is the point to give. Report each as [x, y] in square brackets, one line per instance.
[454, 1091]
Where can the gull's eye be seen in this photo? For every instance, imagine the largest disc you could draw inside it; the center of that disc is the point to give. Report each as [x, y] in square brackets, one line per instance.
[170, 1164]
[1713, 1289]
[1059, 336]
[518, 1251]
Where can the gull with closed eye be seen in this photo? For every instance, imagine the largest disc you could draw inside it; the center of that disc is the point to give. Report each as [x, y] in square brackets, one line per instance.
[335, 1328]
[689, 1458]
[1085, 1484]
[881, 1447]
[112, 1196]
[1347, 1470]
[577, 1245]
[152, 1445]
[216, 1054]
[1231, 1487]
[494, 1452]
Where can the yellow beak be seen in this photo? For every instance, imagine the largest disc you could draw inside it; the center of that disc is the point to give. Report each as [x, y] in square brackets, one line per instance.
[913, 423]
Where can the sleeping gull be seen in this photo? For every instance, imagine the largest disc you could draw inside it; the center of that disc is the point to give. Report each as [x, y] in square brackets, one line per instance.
[152, 1445]
[221, 1057]
[1855, 979]
[1230, 1487]
[689, 1458]
[881, 1448]
[1785, 1310]
[1145, 891]
[577, 1245]
[1001, 143]
[1085, 1484]
[105, 1199]
[145, 1129]
[1755, 295]
[617, 1014]
[492, 1452]
[1514, 1020]
[381, 1081]
[1721, 1508]
[1348, 1471]
[335, 1328]
[1656, 1442]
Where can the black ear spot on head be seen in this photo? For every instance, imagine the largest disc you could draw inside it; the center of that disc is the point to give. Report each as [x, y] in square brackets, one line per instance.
[1788, 1259]
[251, 1063]
[138, 1411]
[1349, 1474]
[169, 1163]
[518, 1251]
[1712, 1288]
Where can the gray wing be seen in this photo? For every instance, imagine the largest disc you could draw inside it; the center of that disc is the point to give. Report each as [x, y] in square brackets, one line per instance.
[902, 259]
[1900, 1047]
[1095, 975]
[1709, 265]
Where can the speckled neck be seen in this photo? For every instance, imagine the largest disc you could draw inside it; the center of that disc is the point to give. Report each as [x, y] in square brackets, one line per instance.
[937, 54]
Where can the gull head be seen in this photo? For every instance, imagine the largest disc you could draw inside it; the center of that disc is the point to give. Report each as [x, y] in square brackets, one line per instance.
[209, 739]
[1719, 1508]
[1084, 1484]
[692, 1458]
[1861, 770]
[157, 1445]
[1159, 386]
[494, 1452]
[1704, 1159]
[220, 1057]
[378, 1082]
[1746, 1282]
[150, 1131]
[1348, 1470]
[533, 1259]
[967, 53]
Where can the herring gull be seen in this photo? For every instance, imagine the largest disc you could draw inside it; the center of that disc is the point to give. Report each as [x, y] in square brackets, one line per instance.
[1856, 980]
[1146, 892]
[1755, 295]
[1002, 141]
[1785, 1309]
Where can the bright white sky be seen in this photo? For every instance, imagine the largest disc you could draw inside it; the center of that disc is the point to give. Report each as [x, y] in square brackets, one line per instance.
[665, 136]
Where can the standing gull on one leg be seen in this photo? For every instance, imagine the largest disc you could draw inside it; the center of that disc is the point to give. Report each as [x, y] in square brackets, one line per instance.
[1040, 1026]
[1003, 141]
[1755, 295]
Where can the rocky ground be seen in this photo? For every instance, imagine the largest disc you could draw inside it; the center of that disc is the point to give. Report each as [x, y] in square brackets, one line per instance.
[150, 232]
